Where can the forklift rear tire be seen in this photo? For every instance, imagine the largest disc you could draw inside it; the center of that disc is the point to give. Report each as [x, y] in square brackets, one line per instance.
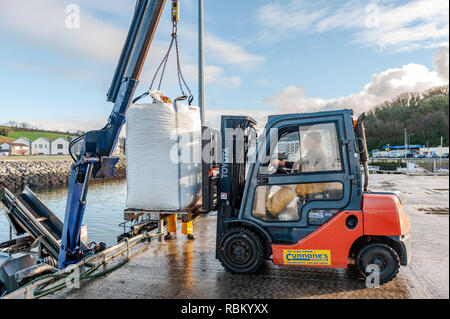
[241, 250]
[382, 255]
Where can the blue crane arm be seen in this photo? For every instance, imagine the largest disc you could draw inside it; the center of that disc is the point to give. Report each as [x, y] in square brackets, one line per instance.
[94, 159]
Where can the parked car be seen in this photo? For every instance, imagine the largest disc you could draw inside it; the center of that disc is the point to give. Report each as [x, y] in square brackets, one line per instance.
[419, 156]
[394, 155]
[445, 155]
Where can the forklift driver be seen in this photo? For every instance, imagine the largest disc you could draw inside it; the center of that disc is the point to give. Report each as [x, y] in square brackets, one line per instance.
[314, 160]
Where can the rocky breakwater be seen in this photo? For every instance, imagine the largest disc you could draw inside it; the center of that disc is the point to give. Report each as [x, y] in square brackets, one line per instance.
[42, 174]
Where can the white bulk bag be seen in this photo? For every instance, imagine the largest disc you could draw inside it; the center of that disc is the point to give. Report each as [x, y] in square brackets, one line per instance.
[156, 178]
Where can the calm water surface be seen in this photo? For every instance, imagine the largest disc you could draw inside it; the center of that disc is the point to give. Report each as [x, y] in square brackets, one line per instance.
[104, 211]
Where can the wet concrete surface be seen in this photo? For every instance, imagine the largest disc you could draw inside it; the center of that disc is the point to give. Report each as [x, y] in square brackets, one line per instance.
[188, 269]
[427, 204]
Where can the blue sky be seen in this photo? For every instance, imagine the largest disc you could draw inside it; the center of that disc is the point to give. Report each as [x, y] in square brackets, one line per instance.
[262, 57]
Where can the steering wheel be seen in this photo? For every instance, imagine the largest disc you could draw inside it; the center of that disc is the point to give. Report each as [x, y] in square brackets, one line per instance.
[281, 170]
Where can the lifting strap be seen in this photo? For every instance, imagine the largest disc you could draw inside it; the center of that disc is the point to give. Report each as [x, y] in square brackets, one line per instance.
[163, 64]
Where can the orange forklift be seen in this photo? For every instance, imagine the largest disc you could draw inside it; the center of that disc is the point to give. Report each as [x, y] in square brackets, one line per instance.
[299, 195]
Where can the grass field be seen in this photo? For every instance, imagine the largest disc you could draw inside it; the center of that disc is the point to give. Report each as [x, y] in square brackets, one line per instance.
[34, 135]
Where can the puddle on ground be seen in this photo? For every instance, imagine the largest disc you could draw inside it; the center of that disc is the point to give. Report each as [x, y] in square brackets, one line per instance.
[434, 210]
[388, 184]
[435, 191]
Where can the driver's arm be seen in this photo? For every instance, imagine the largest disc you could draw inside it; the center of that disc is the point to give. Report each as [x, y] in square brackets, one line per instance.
[278, 163]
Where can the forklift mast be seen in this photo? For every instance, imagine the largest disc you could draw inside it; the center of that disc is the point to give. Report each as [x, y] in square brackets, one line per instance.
[236, 133]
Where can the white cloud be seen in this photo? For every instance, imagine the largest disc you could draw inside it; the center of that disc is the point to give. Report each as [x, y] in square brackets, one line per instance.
[282, 19]
[116, 7]
[222, 51]
[213, 75]
[227, 60]
[293, 99]
[41, 23]
[402, 27]
[382, 87]
[230, 53]
[352, 14]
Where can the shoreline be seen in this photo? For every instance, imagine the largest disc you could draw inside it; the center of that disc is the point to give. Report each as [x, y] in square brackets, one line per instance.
[43, 174]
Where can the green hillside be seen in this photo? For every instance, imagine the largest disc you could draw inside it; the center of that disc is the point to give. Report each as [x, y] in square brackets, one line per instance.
[14, 134]
[425, 117]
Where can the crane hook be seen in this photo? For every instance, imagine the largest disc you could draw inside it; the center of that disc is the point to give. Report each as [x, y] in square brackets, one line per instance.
[175, 11]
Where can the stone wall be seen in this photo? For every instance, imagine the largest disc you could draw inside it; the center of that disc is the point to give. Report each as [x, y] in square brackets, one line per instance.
[42, 174]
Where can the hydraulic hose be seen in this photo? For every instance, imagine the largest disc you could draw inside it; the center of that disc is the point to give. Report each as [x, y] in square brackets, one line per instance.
[40, 291]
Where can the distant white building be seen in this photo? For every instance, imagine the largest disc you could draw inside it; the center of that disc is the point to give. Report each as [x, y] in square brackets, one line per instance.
[288, 147]
[24, 140]
[14, 149]
[60, 146]
[19, 149]
[439, 151]
[41, 146]
[5, 149]
[5, 146]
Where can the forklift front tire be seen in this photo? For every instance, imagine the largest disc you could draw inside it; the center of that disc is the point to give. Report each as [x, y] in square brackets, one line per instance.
[381, 255]
[241, 250]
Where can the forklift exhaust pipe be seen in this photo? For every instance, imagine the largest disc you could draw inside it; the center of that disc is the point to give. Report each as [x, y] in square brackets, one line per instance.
[361, 146]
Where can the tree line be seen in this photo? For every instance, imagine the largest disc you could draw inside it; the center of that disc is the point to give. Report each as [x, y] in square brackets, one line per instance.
[425, 117]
